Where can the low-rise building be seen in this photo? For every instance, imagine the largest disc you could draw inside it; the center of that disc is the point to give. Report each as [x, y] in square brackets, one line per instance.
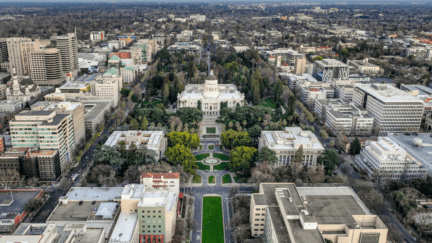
[364, 67]
[286, 143]
[161, 181]
[191, 49]
[10, 106]
[344, 91]
[385, 160]
[282, 212]
[95, 114]
[22, 89]
[153, 140]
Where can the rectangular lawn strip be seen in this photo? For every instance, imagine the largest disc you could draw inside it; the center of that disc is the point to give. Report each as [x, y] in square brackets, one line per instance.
[212, 220]
[202, 166]
[201, 156]
[211, 179]
[196, 179]
[226, 178]
[221, 166]
[211, 129]
[221, 156]
[270, 102]
[211, 146]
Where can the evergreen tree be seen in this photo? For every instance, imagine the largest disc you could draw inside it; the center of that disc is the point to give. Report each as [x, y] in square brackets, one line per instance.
[355, 147]
[291, 104]
[144, 124]
[298, 156]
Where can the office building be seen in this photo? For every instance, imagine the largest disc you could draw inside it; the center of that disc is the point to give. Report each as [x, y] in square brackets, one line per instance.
[282, 212]
[191, 49]
[287, 54]
[419, 52]
[153, 140]
[294, 78]
[330, 70]
[319, 90]
[393, 110]
[197, 17]
[364, 67]
[210, 94]
[46, 67]
[344, 91]
[345, 118]
[12, 159]
[152, 47]
[139, 53]
[68, 46]
[10, 106]
[97, 35]
[19, 53]
[300, 65]
[76, 109]
[30, 129]
[128, 74]
[286, 143]
[161, 181]
[22, 89]
[55, 233]
[385, 160]
[95, 114]
[4, 57]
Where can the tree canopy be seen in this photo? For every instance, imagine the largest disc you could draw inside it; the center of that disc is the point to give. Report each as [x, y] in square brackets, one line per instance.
[179, 154]
[355, 147]
[267, 155]
[241, 158]
[330, 159]
[183, 138]
[231, 139]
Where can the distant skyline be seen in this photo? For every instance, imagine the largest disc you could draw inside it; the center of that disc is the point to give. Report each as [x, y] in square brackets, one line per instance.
[306, 2]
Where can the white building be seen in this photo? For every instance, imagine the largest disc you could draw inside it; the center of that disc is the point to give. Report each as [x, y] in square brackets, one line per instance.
[197, 17]
[210, 94]
[152, 140]
[287, 54]
[241, 48]
[97, 35]
[161, 181]
[363, 66]
[344, 91]
[390, 160]
[22, 89]
[128, 74]
[286, 143]
[393, 110]
[419, 52]
[9, 106]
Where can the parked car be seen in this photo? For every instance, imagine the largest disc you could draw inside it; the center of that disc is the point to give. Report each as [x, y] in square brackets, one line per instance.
[80, 203]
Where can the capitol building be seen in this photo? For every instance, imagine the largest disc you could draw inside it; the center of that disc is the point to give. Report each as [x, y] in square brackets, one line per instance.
[210, 94]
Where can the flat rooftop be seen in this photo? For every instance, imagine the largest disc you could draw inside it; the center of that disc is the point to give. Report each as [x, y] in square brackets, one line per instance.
[75, 212]
[388, 93]
[94, 193]
[20, 199]
[124, 228]
[93, 109]
[422, 154]
[277, 219]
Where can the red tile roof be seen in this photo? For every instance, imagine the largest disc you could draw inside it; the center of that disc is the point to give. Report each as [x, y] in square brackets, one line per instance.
[285, 64]
[272, 56]
[159, 175]
[314, 89]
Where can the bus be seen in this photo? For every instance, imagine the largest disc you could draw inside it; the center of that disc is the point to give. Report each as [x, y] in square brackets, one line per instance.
[74, 176]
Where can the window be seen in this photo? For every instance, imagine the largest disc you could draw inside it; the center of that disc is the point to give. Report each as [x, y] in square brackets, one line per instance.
[258, 209]
[256, 224]
[154, 211]
[256, 219]
[159, 211]
[257, 214]
[160, 226]
[154, 216]
[160, 216]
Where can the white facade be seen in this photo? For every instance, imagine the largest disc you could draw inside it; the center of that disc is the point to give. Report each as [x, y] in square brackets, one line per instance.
[393, 110]
[211, 94]
[161, 181]
[286, 143]
[23, 89]
[330, 70]
[420, 52]
[9, 106]
[152, 140]
[348, 119]
[363, 66]
[128, 74]
[390, 160]
[198, 17]
[97, 35]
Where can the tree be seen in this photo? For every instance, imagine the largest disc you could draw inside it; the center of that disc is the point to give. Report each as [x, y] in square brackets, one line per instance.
[318, 58]
[267, 155]
[134, 124]
[103, 175]
[183, 138]
[355, 147]
[109, 155]
[144, 124]
[231, 139]
[330, 159]
[262, 173]
[125, 92]
[298, 156]
[9, 177]
[32, 181]
[32, 205]
[188, 114]
[291, 104]
[242, 157]
[199, 105]
[179, 154]
[254, 131]
[332, 143]
[64, 184]
[84, 182]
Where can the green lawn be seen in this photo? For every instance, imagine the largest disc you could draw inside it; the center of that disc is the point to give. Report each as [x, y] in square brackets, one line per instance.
[201, 147]
[202, 166]
[155, 102]
[221, 166]
[211, 146]
[269, 102]
[211, 180]
[196, 179]
[211, 129]
[212, 227]
[221, 156]
[226, 178]
[201, 156]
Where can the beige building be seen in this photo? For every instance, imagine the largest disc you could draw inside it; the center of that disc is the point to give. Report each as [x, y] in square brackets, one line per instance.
[46, 67]
[45, 130]
[286, 143]
[17, 49]
[152, 140]
[363, 66]
[22, 89]
[74, 108]
[68, 46]
[300, 65]
[390, 161]
[94, 114]
[55, 233]
[282, 212]
[9, 106]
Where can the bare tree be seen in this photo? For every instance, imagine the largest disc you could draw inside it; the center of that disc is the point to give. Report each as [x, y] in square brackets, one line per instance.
[9, 177]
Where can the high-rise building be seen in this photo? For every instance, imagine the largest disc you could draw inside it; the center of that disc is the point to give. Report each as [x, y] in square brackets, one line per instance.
[45, 130]
[97, 35]
[300, 65]
[3, 51]
[330, 70]
[68, 46]
[74, 108]
[46, 67]
[16, 46]
[393, 110]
